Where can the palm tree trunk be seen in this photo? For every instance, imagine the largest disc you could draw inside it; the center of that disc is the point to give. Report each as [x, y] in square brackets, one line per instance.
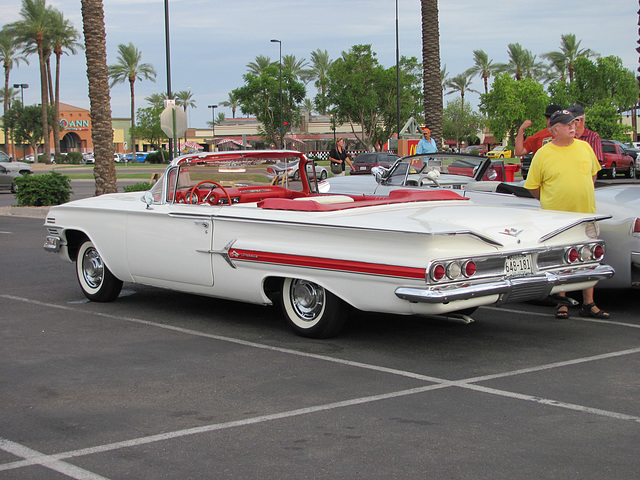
[104, 170]
[45, 103]
[133, 118]
[56, 99]
[432, 82]
[6, 107]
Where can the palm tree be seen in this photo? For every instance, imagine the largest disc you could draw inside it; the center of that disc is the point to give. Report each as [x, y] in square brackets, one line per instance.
[184, 99]
[130, 68]
[444, 78]
[104, 170]
[522, 63]
[32, 30]
[156, 100]
[261, 62]
[320, 64]
[483, 67]
[63, 39]
[431, 78]
[569, 51]
[295, 66]
[233, 103]
[10, 58]
[460, 83]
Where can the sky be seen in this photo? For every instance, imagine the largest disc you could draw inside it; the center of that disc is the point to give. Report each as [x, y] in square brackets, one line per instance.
[212, 41]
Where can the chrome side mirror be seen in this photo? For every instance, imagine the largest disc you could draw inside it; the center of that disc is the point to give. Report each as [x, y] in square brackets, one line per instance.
[379, 173]
[147, 198]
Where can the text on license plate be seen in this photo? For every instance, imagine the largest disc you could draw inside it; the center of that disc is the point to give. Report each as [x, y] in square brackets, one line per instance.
[363, 168]
[518, 265]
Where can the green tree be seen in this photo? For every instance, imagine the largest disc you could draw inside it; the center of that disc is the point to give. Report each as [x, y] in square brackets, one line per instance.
[10, 57]
[460, 122]
[32, 30]
[563, 60]
[260, 96]
[604, 81]
[483, 67]
[148, 126]
[510, 102]
[104, 170]
[355, 81]
[26, 124]
[605, 120]
[295, 66]
[431, 74]
[129, 68]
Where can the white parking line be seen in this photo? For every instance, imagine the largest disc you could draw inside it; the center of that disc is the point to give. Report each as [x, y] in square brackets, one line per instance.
[571, 318]
[47, 461]
[54, 461]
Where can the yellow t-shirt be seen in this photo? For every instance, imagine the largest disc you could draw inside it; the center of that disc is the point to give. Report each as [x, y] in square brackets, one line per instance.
[565, 177]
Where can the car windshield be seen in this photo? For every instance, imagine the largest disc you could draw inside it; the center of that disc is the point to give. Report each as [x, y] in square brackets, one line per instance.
[216, 178]
[416, 166]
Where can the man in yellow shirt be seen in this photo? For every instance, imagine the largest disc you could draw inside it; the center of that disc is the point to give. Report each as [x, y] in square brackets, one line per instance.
[562, 175]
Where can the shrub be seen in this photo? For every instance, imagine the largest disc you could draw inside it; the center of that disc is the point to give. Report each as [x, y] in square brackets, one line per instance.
[74, 158]
[43, 190]
[156, 157]
[138, 187]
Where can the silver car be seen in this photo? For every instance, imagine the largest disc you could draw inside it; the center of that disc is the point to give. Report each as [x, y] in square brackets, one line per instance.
[18, 167]
[7, 179]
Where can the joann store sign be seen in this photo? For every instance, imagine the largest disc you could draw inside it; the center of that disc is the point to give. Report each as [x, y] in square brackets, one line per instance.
[74, 124]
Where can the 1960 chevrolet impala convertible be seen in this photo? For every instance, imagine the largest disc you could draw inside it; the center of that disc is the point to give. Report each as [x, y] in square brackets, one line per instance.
[204, 230]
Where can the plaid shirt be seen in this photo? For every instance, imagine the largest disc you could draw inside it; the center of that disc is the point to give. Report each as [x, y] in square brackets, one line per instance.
[593, 139]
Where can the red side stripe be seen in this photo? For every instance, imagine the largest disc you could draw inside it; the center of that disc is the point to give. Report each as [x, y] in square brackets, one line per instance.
[327, 264]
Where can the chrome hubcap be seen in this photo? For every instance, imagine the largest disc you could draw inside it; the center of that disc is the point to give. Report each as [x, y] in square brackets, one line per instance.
[92, 268]
[307, 299]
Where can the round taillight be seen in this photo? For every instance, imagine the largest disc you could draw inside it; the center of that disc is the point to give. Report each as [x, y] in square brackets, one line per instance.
[571, 255]
[469, 269]
[585, 253]
[597, 252]
[453, 270]
[438, 272]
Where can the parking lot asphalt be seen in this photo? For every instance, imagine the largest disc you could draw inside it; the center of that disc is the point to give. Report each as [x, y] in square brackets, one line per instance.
[165, 385]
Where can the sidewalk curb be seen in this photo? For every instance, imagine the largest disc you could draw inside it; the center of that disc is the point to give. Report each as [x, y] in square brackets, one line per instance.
[31, 212]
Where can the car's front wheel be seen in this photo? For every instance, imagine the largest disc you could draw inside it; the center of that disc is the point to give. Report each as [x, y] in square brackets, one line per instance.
[96, 280]
[311, 310]
[612, 171]
[632, 171]
[323, 175]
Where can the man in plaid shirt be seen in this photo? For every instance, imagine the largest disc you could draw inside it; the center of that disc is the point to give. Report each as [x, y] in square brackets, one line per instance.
[583, 133]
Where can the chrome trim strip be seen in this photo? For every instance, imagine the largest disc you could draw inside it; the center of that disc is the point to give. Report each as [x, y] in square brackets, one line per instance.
[595, 218]
[468, 290]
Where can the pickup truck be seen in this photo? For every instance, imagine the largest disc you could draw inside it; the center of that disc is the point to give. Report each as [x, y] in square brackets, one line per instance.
[616, 160]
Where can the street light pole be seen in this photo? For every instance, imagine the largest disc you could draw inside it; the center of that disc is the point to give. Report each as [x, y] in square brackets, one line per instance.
[22, 86]
[281, 122]
[213, 126]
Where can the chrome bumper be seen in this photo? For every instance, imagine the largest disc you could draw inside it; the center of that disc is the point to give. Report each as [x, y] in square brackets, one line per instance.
[52, 243]
[509, 289]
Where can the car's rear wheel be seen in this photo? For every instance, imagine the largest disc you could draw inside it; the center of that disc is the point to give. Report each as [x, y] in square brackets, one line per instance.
[637, 172]
[296, 175]
[14, 188]
[311, 310]
[323, 175]
[96, 281]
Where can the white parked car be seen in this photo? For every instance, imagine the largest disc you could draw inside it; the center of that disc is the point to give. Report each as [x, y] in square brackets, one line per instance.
[278, 169]
[18, 167]
[413, 252]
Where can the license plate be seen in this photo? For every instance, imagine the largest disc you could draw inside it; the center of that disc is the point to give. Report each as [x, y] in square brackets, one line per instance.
[518, 265]
[363, 168]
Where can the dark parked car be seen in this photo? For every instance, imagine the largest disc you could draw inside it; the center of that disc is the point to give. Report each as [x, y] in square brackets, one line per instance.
[364, 162]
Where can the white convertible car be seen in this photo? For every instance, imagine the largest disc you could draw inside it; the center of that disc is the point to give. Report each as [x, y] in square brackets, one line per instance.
[316, 255]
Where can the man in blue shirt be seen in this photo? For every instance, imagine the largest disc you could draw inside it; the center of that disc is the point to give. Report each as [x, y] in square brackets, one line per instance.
[427, 144]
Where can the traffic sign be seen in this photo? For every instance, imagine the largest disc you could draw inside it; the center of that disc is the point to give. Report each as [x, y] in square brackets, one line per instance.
[173, 121]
